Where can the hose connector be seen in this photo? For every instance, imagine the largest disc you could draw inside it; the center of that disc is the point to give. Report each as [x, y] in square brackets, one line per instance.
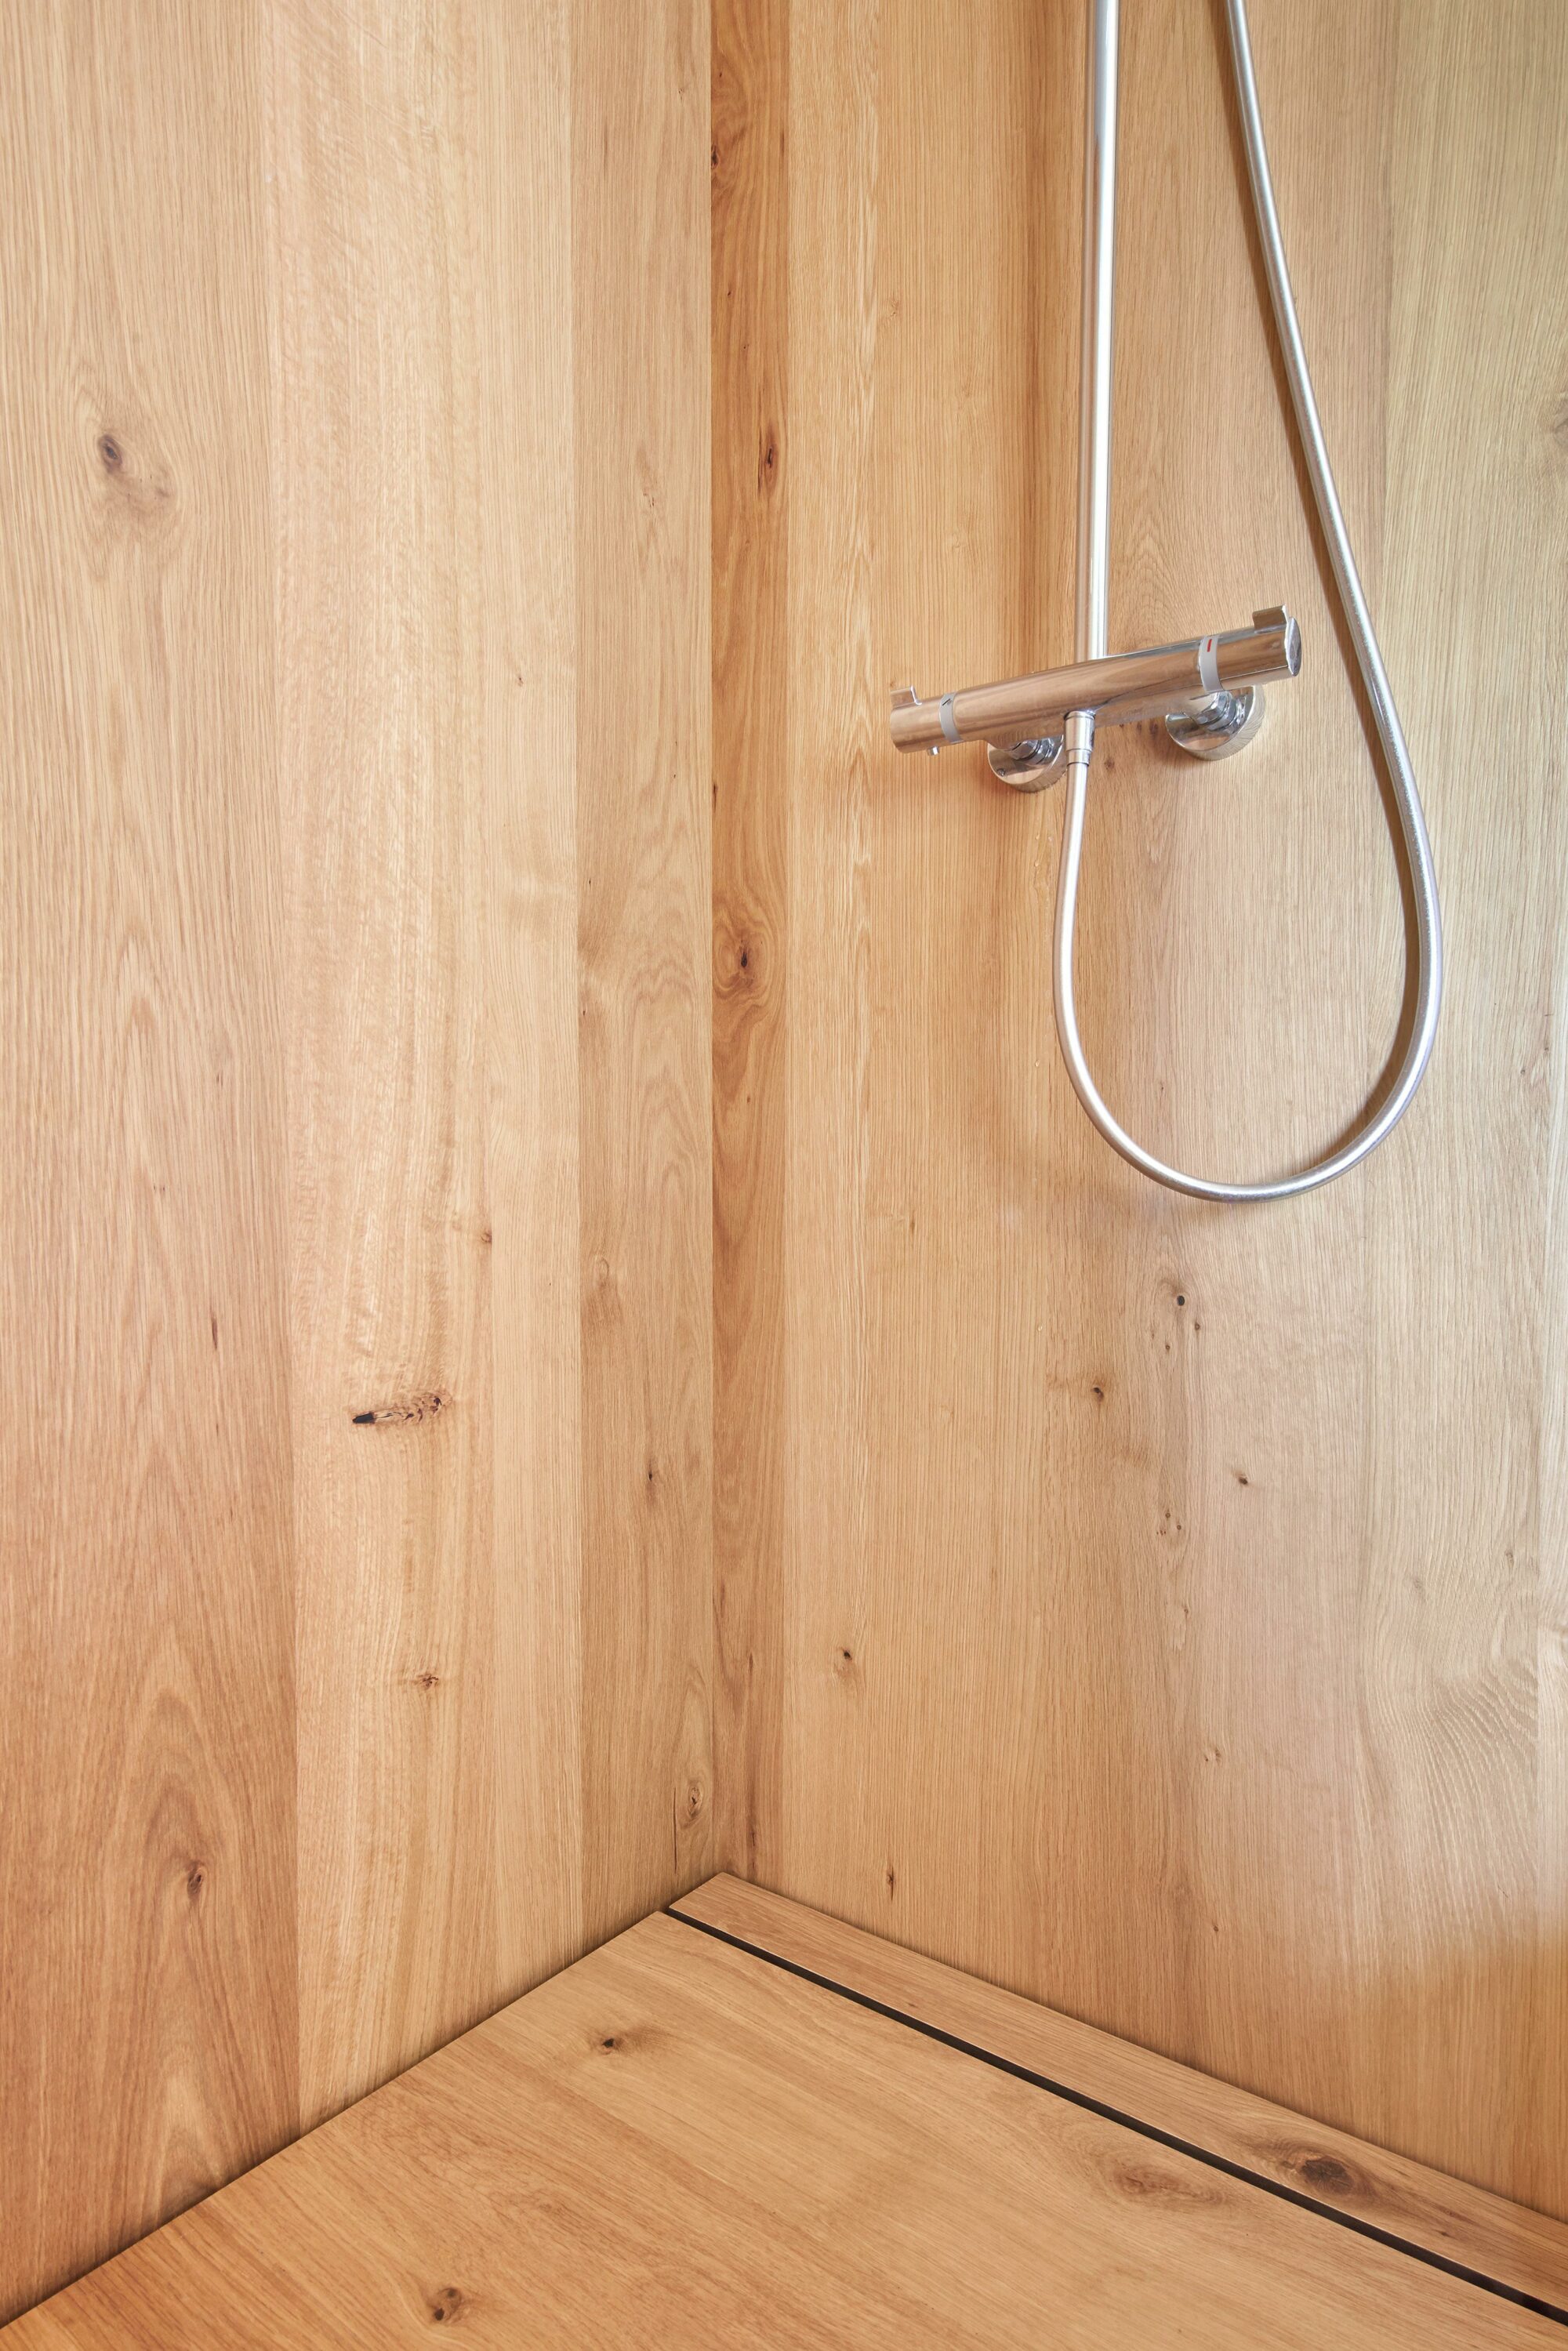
[1078, 739]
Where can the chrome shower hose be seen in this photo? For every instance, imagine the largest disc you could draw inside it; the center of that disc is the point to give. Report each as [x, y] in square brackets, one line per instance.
[1358, 621]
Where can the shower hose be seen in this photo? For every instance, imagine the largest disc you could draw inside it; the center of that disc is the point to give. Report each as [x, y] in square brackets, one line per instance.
[1406, 800]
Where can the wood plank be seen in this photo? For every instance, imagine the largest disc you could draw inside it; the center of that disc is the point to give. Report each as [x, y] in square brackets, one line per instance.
[390, 1275]
[353, 421]
[1169, 1601]
[639, 167]
[520, 305]
[147, 1839]
[379, 608]
[674, 2142]
[1463, 1860]
[476, 220]
[1522, 2248]
[751, 826]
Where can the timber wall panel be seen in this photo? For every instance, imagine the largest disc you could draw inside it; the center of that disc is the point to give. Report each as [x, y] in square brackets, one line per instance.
[356, 1592]
[1169, 1600]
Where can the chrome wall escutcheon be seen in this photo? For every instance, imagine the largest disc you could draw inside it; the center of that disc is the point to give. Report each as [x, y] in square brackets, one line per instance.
[1028, 766]
[1216, 725]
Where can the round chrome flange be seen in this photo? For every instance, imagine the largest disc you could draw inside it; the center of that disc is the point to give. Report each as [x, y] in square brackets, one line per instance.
[1028, 766]
[1218, 724]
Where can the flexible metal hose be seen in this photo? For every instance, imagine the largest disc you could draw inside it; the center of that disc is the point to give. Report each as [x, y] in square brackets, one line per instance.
[1407, 801]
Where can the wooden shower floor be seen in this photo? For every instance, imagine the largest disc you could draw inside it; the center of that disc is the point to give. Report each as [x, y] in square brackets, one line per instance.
[741, 2123]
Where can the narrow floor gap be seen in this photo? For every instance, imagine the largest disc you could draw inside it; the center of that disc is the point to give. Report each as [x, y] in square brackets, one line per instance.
[1276, 2187]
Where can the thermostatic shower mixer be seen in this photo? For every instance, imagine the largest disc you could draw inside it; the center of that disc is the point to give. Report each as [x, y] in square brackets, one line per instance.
[1209, 690]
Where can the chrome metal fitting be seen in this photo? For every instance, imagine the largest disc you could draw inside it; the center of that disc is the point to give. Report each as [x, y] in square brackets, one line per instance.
[1080, 737]
[1028, 766]
[1212, 726]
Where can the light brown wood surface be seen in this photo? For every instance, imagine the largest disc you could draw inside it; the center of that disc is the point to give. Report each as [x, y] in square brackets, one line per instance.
[354, 1598]
[1524, 2250]
[147, 1695]
[1161, 1607]
[750, 947]
[676, 2143]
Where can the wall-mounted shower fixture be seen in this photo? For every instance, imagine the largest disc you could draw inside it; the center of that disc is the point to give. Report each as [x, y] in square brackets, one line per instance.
[1208, 689]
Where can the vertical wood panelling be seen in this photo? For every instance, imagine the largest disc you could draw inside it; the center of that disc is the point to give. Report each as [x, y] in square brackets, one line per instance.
[640, 176]
[832, 705]
[751, 807]
[1464, 1754]
[378, 620]
[521, 298]
[1170, 1602]
[1243, 1043]
[357, 1046]
[147, 1967]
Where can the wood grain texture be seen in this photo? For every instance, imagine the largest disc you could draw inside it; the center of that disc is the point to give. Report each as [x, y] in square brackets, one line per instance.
[640, 175]
[1170, 1601]
[394, 1436]
[522, 306]
[751, 804]
[147, 1904]
[673, 2142]
[1520, 2248]
[356, 1603]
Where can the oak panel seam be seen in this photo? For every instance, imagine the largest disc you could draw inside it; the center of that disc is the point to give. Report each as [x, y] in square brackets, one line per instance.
[1169, 2139]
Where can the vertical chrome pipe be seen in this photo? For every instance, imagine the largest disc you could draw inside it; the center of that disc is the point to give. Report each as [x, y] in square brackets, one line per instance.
[1094, 605]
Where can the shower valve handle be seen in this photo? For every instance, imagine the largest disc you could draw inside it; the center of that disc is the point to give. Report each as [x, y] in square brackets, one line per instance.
[1206, 686]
